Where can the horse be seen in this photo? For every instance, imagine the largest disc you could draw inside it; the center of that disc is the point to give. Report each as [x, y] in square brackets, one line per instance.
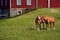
[38, 22]
[49, 21]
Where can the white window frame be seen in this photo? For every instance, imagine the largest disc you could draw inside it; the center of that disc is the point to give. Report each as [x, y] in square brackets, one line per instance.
[18, 2]
[28, 2]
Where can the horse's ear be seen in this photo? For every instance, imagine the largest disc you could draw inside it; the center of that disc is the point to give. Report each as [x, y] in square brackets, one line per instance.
[44, 16]
[37, 16]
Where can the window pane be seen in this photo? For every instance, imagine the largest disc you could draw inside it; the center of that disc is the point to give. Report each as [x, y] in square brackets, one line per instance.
[18, 2]
[28, 2]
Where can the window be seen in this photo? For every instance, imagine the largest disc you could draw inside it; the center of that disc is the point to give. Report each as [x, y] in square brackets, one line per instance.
[18, 2]
[28, 2]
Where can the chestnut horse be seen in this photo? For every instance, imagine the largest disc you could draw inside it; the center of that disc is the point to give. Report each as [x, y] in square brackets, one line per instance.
[38, 22]
[49, 21]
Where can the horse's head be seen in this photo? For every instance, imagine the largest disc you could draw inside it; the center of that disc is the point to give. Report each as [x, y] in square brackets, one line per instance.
[39, 17]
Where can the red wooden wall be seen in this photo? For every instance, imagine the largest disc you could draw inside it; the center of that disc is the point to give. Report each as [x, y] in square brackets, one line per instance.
[55, 3]
[42, 3]
[24, 4]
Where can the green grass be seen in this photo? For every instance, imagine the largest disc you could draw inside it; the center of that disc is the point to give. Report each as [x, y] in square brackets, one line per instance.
[23, 27]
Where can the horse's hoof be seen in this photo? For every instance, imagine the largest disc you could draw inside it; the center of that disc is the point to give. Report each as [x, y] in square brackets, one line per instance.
[38, 29]
[53, 28]
[48, 28]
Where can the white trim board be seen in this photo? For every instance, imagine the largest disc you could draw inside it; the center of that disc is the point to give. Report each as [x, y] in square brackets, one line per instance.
[10, 4]
[48, 3]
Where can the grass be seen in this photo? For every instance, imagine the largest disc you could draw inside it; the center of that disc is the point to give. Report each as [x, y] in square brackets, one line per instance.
[23, 27]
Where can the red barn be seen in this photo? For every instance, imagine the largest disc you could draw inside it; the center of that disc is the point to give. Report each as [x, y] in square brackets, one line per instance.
[35, 3]
[17, 7]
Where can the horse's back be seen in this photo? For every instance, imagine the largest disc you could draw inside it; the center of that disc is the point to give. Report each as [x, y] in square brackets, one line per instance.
[51, 19]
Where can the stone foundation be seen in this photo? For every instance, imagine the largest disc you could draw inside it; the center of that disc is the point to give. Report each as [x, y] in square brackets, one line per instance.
[17, 11]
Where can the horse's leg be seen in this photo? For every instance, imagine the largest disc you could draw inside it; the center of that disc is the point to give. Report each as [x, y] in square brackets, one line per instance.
[46, 25]
[53, 25]
[37, 27]
[40, 26]
[50, 25]
[43, 25]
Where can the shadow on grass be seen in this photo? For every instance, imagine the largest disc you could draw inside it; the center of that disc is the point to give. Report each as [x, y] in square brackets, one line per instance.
[58, 17]
[2, 19]
[43, 29]
[26, 12]
[31, 29]
[36, 29]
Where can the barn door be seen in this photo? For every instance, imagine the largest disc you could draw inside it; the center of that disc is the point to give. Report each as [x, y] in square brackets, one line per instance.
[4, 7]
[42, 3]
[5, 4]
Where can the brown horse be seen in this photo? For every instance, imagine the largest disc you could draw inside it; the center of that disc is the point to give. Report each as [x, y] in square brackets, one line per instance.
[38, 22]
[49, 21]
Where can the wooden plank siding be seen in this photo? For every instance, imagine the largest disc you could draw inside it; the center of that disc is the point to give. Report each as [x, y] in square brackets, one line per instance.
[55, 4]
[23, 4]
[42, 3]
